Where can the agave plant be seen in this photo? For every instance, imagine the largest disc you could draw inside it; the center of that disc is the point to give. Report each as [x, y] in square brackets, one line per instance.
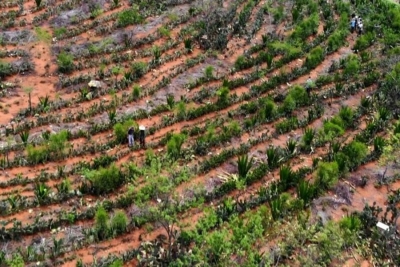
[352, 223]
[277, 206]
[188, 45]
[244, 165]
[287, 177]
[24, 137]
[383, 114]
[273, 157]
[64, 187]
[291, 147]
[44, 103]
[13, 201]
[308, 138]
[112, 116]
[170, 101]
[57, 247]
[305, 191]
[379, 143]
[42, 192]
[366, 103]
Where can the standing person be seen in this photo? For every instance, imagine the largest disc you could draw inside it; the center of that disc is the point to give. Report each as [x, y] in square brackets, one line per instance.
[352, 25]
[309, 85]
[356, 24]
[130, 136]
[360, 27]
[142, 136]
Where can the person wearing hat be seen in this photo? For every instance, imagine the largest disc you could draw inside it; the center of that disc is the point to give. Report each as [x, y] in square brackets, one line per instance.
[142, 136]
[130, 136]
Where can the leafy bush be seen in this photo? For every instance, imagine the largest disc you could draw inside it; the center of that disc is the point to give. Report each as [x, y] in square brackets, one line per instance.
[356, 152]
[242, 63]
[121, 130]
[352, 66]
[289, 105]
[138, 69]
[327, 175]
[58, 143]
[119, 222]
[36, 155]
[65, 62]
[314, 58]
[347, 116]
[174, 145]
[5, 69]
[223, 96]
[334, 127]
[104, 180]
[336, 40]
[342, 161]
[268, 109]
[306, 27]
[129, 17]
[364, 41]
[299, 94]
[101, 223]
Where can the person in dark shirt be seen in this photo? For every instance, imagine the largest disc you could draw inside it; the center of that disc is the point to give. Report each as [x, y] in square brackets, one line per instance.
[142, 136]
[130, 136]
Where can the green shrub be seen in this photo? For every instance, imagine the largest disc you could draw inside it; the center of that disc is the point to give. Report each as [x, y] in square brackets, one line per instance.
[342, 161]
[347, 116]
[121, 130]
[351, 66]
[101, 223]
[364, 41]
[299, 94]
[65, 62]
[138, 69]
[16, 261]
[314, 58]
[43, 35]
[268, 109]
[104, 180]
[223, 96]
[286, 49]
[164, 31]
[119, 222]
[36, 155]
[5, 69]
[334, 127]
[129, 17]
[58, 143]
[327, 175]
[118, 262]
[356, 152]
[58, 32]
[289, 105]
[336, 40]
[136, 91]
[174, 145]
[306, 27]
[242, 63]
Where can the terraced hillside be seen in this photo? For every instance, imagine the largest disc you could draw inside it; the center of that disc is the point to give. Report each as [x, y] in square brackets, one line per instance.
[271, 130]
